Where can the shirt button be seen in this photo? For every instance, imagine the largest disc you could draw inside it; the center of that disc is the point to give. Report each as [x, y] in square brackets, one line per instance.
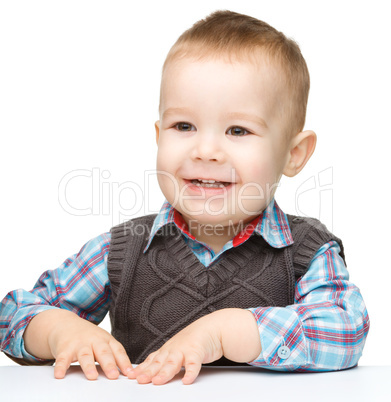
[283, 352]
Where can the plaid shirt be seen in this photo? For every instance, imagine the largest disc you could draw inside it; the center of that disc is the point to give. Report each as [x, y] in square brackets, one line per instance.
[325, 328]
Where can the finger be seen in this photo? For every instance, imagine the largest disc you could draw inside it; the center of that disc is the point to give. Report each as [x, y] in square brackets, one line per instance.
[192, 369]
[61, 365]
[137, 370]
[86, 359]
[121, 357]
[146, 373]
[104, 356]
[172, 366]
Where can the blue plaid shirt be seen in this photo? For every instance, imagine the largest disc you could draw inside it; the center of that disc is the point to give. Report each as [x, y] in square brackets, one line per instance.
[325, 328]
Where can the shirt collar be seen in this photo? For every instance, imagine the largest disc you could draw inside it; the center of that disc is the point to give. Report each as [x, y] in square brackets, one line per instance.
[272, 225]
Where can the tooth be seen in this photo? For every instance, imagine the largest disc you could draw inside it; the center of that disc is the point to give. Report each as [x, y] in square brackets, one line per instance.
[207, 181]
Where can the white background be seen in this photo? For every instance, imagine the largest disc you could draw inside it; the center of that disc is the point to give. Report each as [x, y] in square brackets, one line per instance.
[79, 86]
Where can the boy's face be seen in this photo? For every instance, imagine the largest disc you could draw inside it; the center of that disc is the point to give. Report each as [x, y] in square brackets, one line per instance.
[220, 121]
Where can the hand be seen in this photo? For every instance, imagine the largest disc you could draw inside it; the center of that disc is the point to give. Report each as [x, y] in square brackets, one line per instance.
[75, 339]
[198, 343]
[231, 332]
[62, 335]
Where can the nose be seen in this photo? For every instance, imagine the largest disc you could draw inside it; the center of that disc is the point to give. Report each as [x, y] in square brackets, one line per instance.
[208, 148]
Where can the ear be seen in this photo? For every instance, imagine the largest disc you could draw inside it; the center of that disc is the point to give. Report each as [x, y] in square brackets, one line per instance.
[157, 128]
[302, 147]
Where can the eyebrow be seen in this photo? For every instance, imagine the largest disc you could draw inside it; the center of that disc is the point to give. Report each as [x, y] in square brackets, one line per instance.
[174, 110]
[244, 116]
[233, 115]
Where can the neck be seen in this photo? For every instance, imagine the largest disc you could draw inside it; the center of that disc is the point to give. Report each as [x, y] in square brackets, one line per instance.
[215, 242]
[215, 236]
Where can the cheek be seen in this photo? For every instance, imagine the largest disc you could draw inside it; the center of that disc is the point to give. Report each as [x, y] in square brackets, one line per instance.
[166, 156]
[160, 165]
[264, 174]
[260, 177]
[167, 165]
[259, 169]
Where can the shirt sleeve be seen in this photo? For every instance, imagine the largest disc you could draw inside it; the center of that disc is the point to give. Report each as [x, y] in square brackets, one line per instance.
[80, 285]
[325, 329]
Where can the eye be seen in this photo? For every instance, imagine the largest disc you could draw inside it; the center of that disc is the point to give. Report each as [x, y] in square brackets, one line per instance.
[237, 131]
[182, 126]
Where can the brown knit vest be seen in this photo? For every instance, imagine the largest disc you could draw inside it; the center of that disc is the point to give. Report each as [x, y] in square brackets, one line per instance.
[156, 294]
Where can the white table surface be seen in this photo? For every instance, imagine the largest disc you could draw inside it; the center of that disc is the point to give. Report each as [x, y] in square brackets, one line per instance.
[363, 383]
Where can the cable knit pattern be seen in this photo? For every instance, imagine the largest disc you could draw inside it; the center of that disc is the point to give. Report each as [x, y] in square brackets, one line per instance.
[156, 294]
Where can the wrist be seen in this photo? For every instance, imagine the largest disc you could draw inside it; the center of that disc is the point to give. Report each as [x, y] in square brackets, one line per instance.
[61, 321]
[238, 333]
[42, 331]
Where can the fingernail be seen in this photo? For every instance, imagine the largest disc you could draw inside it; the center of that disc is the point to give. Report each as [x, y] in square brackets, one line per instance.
[91, 373]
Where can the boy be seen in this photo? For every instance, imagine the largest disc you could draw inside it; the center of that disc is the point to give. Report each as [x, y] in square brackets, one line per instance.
[221, 275]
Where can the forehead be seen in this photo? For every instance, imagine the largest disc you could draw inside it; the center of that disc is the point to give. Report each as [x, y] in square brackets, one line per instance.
[242, 79]
[258, 59]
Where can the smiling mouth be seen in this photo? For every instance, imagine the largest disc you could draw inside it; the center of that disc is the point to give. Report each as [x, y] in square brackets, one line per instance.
[209, 183]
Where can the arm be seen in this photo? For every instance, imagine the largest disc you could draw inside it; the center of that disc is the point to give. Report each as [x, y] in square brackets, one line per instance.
[61, 310]
[327, 326]
[324, 330]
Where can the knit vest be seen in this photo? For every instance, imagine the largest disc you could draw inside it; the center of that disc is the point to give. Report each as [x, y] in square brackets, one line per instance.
[156, 294]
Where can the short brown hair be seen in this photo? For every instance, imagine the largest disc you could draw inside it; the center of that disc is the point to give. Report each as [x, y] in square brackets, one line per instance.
[226, 33]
